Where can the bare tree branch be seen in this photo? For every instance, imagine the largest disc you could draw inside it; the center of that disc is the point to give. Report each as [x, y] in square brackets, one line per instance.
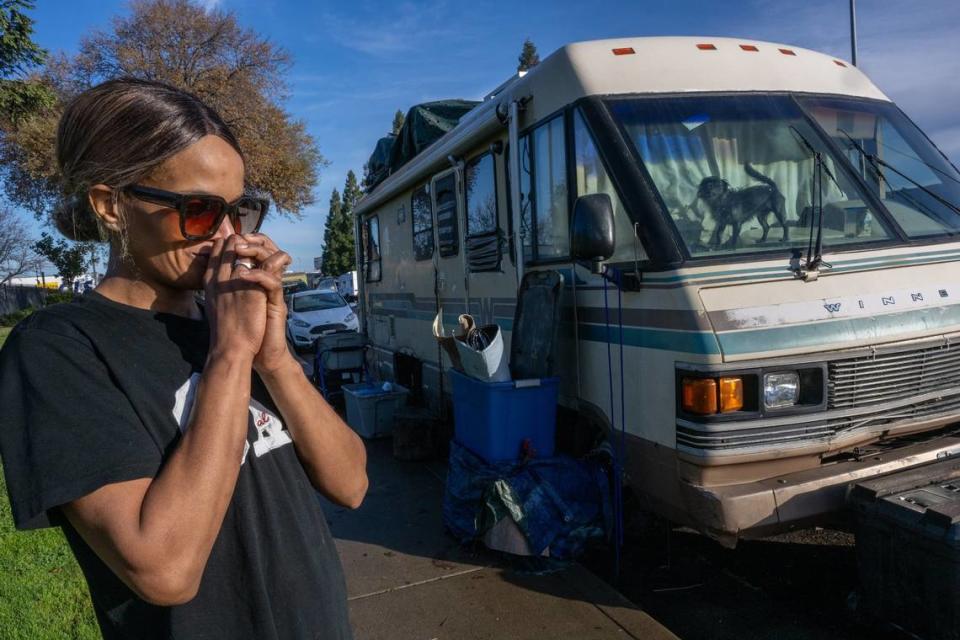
[16, 247]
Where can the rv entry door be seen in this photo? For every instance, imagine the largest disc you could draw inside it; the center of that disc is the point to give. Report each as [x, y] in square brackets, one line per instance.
[448, 260]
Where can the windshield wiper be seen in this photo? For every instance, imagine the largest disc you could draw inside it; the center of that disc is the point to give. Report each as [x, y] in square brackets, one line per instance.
[811, 270]
[876, 163]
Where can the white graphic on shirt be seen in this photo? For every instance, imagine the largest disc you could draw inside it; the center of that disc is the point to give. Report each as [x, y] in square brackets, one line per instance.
[270, 432]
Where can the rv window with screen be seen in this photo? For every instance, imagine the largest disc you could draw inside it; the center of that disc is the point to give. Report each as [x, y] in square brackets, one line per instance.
[371, 244]
[592, 178]
[447, 231]
[900, 165]
[551, 208]
[483, 233]
[739, 174]
[481, 196]
[422, 224]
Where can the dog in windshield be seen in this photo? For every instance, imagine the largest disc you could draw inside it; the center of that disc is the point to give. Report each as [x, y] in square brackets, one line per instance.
[733, 207]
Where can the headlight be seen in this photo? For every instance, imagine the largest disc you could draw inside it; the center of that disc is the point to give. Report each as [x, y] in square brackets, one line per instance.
[299, 323]
[781, 389]
[350, 317]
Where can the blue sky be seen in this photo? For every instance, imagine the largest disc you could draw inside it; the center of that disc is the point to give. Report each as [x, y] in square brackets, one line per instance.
[356, 63]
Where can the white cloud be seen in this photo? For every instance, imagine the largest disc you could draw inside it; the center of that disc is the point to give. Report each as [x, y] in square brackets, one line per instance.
[389, 30]
[209, 5]
[907, 48]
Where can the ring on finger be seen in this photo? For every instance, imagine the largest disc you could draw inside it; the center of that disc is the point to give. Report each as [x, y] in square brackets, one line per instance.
[243, 262]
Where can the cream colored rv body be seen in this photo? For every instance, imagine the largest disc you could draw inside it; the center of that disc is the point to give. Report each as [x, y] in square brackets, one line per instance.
[877, 330]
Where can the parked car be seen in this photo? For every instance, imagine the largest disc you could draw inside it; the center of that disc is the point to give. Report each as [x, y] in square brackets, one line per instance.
[315, 312]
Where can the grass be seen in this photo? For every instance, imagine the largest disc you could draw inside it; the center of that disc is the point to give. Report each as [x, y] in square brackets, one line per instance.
[42, 592]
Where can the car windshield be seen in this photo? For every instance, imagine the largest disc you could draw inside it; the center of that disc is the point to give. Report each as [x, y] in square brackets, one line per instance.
[319, 301]
[739, 174]
[916, 184]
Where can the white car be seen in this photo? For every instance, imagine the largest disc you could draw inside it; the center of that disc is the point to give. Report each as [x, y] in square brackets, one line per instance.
[314, 312]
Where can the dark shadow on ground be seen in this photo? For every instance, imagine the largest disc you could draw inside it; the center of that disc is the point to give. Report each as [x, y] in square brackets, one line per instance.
[790, 587]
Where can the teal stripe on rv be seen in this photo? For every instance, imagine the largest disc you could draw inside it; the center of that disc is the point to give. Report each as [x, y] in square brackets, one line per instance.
[839, 266]
[837, 331]
[702, 342]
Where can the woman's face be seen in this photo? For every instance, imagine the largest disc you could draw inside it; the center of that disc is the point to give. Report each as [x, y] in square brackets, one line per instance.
[209, 166]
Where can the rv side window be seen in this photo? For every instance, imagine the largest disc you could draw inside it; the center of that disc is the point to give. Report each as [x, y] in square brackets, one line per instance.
[422, 224]
[481, 196]
[447, 232]
[371, 244]
[483, 234]
[592, 177]
[551, 207]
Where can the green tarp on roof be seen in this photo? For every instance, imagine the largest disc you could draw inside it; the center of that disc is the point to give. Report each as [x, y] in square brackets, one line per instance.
[425, 124]
[378, 166]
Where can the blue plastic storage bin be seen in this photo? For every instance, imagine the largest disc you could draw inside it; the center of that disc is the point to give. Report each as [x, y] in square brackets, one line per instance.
[492, 419]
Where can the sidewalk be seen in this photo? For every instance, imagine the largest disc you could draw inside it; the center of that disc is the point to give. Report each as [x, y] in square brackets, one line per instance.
[406, 579]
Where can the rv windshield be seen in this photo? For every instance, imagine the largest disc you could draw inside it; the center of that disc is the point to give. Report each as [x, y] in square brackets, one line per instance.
[919, 188]
[737, 175]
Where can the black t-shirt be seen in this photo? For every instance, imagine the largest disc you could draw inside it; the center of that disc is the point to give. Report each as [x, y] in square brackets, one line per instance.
[95, 392]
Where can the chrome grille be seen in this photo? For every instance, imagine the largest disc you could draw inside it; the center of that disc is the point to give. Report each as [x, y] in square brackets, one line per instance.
[323, 328]
[867, 380]
[823, 429]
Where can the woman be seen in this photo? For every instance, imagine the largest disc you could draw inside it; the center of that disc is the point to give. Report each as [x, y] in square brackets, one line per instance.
[178, 444]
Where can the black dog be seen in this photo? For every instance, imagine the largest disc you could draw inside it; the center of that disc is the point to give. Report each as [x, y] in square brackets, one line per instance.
[735, 206]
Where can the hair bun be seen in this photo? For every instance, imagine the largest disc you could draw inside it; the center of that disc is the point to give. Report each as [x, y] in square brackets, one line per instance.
[76, 221]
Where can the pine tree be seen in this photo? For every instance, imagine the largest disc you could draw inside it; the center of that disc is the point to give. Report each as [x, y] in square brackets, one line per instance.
[529, 57]
[351, 193]
[339, 250]
[329, 234]
[397, 122]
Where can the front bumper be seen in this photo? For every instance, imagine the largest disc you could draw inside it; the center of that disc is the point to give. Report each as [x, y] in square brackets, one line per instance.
[766, 506]
[304, 336]
[301, 336]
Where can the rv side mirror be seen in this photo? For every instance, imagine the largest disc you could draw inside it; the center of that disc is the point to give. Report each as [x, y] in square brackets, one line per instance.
[593, 238]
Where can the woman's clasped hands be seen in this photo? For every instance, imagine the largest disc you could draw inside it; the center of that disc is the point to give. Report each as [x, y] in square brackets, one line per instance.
[245, 306]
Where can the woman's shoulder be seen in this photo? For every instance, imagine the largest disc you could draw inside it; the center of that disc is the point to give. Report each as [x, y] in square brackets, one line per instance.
[75, 320]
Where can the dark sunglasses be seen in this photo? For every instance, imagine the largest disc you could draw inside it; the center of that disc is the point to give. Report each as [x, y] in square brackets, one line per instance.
[201, 214]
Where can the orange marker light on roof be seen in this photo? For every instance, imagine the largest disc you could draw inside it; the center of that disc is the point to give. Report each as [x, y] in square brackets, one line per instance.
[623, 51]
[788, 52]
[749, 47]
[839, 64]
[706, 47]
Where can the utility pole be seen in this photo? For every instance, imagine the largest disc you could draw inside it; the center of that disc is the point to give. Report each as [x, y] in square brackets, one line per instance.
[853, 31]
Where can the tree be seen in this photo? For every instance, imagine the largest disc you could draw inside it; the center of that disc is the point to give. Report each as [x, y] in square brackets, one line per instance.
[329, 241]
[397, 122]
[529, 58]
[16, 247]
[339, 249]
[20, 94]
[69, 259]
[231, 68]
[351, 194]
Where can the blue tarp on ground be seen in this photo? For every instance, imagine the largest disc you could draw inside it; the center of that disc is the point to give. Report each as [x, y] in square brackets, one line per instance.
[558, 502]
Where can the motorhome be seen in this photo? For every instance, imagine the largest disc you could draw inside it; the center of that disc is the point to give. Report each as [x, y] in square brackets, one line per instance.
[771, 241]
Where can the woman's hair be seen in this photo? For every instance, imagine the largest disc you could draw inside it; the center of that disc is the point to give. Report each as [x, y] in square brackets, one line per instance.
[118, 133]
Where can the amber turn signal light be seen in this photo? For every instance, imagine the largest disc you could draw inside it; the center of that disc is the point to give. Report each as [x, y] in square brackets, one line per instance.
[731, 394]
[699, 395]
[707, 396]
